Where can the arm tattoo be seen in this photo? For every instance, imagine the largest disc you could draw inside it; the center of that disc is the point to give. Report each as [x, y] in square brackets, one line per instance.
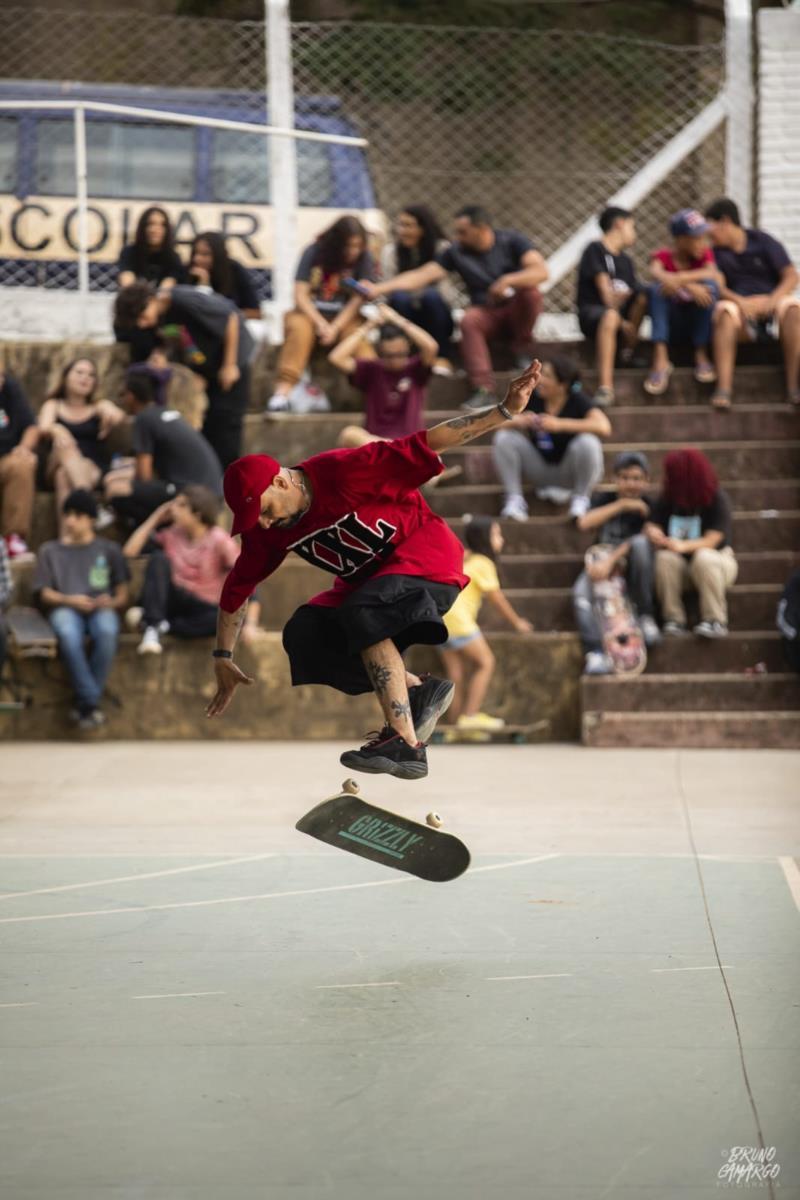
[379, 675]
[401, 710]
[467, 423]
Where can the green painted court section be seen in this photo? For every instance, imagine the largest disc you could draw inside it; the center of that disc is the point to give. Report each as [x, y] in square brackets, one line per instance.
[197, 1002]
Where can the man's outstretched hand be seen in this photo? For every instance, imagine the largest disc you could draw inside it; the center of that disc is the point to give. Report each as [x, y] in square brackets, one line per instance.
[229, 676]
[520, 389]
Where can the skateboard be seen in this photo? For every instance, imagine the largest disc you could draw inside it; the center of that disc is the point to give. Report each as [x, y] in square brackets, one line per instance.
[351, 824]
[622, 638]
[30, 634]
[516, 735]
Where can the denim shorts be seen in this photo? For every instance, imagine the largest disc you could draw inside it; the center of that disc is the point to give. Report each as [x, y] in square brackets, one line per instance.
[455, 643]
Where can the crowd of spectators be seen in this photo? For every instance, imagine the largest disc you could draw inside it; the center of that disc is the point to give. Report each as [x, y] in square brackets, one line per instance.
[715, 286]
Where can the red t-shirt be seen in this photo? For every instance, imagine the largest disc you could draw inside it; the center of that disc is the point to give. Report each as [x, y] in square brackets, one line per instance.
[666, 257]
[366, 519]
[394, 399]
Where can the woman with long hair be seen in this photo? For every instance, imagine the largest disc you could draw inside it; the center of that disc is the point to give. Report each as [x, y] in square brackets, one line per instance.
[151, 257]
[691, 529]
[554, 444]
[418, 238]
[468, 660]
[325, 310]
[211, 266]
[77, 424]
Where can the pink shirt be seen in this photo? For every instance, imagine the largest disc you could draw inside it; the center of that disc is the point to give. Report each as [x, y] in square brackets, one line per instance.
[200, 567]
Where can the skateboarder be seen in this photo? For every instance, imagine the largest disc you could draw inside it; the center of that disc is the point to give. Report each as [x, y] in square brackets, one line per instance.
[358, 514]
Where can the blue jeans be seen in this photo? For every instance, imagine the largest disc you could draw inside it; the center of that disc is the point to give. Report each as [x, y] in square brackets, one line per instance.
[680, 321]
[88, 673]
[430, 311]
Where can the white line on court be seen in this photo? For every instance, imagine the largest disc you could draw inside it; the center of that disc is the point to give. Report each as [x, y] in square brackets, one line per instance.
[664, 970]
[321, 987]
[22, 1004]
[792, 874]
[340, 887]
[505, 978]
[177, 995]
[70, 887]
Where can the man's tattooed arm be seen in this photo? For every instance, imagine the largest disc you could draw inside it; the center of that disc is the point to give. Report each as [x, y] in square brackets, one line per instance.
[464, 428]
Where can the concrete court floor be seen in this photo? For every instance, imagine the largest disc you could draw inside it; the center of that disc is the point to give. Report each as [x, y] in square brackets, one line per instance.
[199, 1003]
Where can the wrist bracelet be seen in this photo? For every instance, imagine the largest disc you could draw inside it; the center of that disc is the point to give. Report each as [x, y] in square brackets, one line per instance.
[222, 654]
[508, 416]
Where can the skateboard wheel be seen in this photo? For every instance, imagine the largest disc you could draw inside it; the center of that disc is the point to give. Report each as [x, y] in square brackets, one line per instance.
[434, 820]
[350, 786]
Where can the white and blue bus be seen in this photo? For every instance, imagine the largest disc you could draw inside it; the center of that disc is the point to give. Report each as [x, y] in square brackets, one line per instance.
[205, 178]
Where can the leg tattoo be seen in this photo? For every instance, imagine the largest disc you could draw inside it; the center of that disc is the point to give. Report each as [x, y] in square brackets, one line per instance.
[379, 675]
[401, 710]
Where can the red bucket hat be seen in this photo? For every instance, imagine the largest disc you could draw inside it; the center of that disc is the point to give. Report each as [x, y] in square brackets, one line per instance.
[244, 481]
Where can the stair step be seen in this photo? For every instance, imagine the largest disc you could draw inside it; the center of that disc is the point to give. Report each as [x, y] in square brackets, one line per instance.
[561, 570]
[709, 730]
[750, 605]
[695, 692]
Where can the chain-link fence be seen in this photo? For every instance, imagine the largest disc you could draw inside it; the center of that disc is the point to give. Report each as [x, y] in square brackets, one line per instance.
[540, 128]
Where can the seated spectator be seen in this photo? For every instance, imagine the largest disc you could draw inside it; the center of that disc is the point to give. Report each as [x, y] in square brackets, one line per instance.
[759, 281]
[418, 238]
[500, 269]
[211, 266]
[691, 528]
[185, 573]
[554, 444]
[393, 383]
[611, 301]
[325, 310]
[682, 297]
[217, 348]
[467, 659]
[6, 588]
[18, 439]
[81, 580]
[787, 620]
[169, 456]
[77, 426]
[151, 257]
[619, 518]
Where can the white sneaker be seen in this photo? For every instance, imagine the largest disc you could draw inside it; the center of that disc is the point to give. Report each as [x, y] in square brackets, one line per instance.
[515, 509]
[133, 618]
[650, 631]
[279, 403]
[578, 507]
[150, 643]
[597, 663]
[711, 629]
[105, 517]
[555, 495]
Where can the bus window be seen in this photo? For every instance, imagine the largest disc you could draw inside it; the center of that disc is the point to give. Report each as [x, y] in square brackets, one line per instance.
[240, 170]
[8, 154]
[125, 160]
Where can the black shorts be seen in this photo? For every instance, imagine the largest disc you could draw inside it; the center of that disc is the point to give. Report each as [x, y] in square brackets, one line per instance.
[324, 644]
[590, 316]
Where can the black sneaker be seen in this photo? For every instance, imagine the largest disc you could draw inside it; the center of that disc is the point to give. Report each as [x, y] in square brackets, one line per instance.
[429, 700]
[386, 753]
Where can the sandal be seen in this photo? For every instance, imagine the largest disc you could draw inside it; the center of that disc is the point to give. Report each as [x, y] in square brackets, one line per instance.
[721, 398]
[657, 382]
[704, 372]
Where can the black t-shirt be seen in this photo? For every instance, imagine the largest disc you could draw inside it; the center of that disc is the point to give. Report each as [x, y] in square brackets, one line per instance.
[205, 316]
[479, 270]
[687, 525]
[181, 455]
[553, 446]
[15, 415]
[622, 527]
[598, 260]
[157, 265]
[757, 270]
[244, 290]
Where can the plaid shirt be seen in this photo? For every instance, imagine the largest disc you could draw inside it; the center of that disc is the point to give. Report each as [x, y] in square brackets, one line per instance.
[6, 583]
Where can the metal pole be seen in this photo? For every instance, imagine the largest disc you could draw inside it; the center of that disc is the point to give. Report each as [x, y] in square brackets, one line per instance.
[739, 92]
[282, 160]
[83, 222]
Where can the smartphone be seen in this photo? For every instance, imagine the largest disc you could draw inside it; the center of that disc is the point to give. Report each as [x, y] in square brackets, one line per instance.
[355, 286]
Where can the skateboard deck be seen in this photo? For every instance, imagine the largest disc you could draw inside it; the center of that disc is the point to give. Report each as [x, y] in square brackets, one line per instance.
[351, 824]
[622, 638]
[516, 735]
[30, 634]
